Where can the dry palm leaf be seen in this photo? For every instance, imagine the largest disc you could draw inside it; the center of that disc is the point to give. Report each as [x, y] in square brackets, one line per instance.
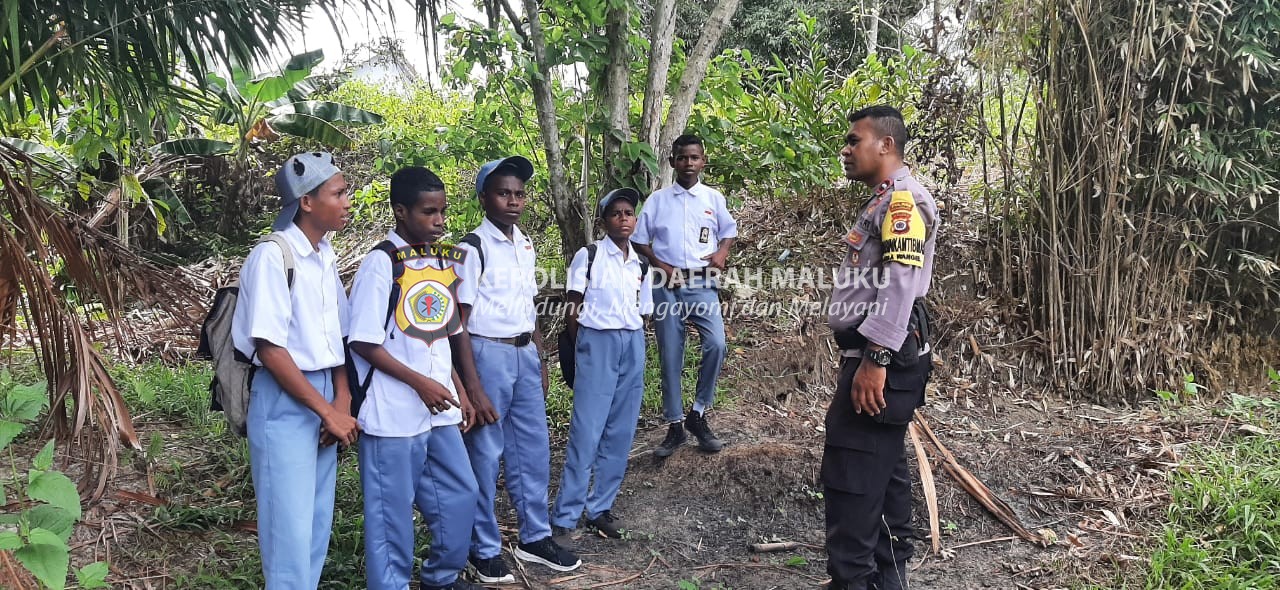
[974, 486]
[36, 237]
[930, 490]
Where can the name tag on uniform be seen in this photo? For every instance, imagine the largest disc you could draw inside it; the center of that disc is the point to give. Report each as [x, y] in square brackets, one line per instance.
[705, 236]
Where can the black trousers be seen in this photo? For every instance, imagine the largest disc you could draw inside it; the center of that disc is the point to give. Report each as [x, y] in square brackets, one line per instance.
[866, 482]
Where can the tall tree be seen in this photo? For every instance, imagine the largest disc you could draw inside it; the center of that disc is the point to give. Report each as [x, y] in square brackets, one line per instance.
[570, 211]
[690, 81]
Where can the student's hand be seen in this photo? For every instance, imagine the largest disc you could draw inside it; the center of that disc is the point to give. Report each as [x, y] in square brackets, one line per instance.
[340, 426]
[485, 412]
[867, 392]
[468, 415]
[435, 396]
[717, 259]
[342, 403]
[673, 277]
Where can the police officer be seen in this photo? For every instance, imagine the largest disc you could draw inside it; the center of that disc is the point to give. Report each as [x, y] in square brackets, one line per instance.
[882, 329]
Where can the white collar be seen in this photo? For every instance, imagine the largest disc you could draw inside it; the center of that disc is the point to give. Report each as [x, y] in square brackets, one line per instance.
[488, 227]
[612, 249]
[301, 245]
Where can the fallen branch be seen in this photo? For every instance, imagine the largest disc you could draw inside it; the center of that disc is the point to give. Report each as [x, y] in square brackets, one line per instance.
[930, 489]
[563, 579]
[975, 543]
[975, 487]
[781, 546]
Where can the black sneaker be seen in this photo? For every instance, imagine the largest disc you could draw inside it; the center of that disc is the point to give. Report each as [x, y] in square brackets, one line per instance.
[675, 438]
[607, 525]
[548, 553]
[563, 536]
[696, 424]
[490, 571]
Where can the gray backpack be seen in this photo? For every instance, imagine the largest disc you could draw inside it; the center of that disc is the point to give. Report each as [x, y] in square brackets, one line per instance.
[232, 370]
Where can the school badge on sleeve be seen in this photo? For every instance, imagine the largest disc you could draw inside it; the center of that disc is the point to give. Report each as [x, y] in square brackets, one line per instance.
[903, 231]
[428, 309]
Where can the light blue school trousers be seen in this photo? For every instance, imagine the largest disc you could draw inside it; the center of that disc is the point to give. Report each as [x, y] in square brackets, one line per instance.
[512, 379]
[429, 470]
[699, 303]
[293, 479]
[607, 389]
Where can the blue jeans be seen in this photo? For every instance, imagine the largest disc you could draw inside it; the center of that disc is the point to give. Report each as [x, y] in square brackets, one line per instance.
[608, 387]
[429, 470]
[293, 480]
[512, 378]
[698, 303]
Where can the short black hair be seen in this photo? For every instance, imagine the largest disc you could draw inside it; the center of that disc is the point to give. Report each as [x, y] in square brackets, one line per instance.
[408, 184]
[887, 121]
[685, 140]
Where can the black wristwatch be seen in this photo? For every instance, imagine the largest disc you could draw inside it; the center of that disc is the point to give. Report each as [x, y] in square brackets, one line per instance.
[881, 356]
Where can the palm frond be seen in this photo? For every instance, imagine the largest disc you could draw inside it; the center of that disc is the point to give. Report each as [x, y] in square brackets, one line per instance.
[37, 235]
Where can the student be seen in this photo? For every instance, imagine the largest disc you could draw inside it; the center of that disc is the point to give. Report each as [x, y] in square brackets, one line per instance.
[412, 451]
[685, 231]
[604, 315]
[295, 332]
[496, 292]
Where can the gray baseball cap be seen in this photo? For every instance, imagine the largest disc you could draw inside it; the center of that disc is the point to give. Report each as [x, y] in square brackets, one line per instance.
[298, 176]
[628, 194]
[519, 164]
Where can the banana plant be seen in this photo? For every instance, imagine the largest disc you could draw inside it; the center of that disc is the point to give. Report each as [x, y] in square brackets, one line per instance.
[263, 107]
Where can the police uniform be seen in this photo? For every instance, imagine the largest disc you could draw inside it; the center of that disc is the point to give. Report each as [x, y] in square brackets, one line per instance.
[499, 285]
[878, 298]
[609, 379]
[409, 456]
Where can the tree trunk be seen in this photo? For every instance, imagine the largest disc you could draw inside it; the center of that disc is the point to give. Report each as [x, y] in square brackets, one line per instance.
[694, 72]
[873, 28]
[617, 89]
[568, 206]
[661, 37]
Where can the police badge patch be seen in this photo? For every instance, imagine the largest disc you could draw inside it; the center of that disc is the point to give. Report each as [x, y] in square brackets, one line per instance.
[903, 231]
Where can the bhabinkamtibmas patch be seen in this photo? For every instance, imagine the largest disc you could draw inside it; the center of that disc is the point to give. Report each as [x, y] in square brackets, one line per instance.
[903, 232]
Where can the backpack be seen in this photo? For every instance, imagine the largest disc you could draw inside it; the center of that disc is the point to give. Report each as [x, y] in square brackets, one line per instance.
[565, 345]
[360, 385]
[232, 370]
[473, 240]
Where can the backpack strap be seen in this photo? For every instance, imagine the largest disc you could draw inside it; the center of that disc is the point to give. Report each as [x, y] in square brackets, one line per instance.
[286, 251]
[591, 261]
[472, 239]
[397, 269]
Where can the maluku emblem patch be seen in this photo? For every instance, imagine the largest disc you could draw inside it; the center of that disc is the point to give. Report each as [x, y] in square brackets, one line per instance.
[428, 307]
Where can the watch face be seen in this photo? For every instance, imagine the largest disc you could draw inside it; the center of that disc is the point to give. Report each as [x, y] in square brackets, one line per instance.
[881, 357]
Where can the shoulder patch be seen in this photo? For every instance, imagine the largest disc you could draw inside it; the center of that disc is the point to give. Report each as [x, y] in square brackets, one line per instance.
[903, 231]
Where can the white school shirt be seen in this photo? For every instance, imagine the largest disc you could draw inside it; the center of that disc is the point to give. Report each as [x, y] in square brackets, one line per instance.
[308, 320]
[417, 335]
[502, 299]
[618, 294]
[683, 225]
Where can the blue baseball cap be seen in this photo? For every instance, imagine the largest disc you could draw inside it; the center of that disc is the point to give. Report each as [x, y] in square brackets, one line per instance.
[522, 167]
[628, 194]
[300, 175]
